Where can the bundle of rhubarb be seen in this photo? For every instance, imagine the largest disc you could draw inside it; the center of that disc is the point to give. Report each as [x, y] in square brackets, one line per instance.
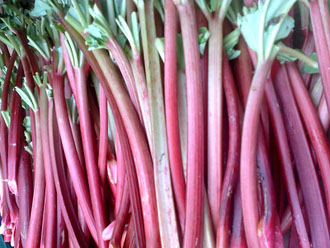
[165, 123]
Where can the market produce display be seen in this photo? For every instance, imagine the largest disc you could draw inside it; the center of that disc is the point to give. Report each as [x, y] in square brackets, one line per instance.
[165, 123]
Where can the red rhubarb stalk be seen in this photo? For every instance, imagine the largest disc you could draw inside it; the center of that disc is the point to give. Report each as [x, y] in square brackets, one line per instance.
[313, 125]
[171, 108]
[50, 206]
[88, 141]
[103, 137]
[249, 151]
[71, 155]
[195, 133]
[232, 166]
[68, 210]
[25, 190]
[304, 162]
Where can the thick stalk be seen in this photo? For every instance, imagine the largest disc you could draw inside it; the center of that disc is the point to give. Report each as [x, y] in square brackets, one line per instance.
[89, 143]
[159, 149]
[141, 87]
[215, 116]
[195, 133]
[15, 133]
[171, 108]
[248, 153]
[75, 169]
[313, 125]
[25, 189]
[126, 71]
[303, 161]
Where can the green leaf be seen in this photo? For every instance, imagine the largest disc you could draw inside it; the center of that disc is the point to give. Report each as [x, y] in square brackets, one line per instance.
[203, 36]
[6, 117]
[229, 42]
[98, 30]
[309, 69]
[160, 46]
[135, 30]
[121, 22]
[41, 7]
[160, 8]
[266, 23]
[120, 7]
[27, 96]
[180, 53]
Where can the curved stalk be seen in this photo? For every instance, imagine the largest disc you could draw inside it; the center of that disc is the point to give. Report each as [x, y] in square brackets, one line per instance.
[71, 155]
[88, 142]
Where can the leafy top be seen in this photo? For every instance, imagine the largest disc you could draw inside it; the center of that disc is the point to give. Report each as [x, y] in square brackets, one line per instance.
[274, 24]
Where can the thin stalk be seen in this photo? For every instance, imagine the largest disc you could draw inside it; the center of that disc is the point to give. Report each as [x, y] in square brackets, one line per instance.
[120, 174]
[208, 233]
[249, 151]
[232, 166]
[215, 119]
[5, 53]
[299, 55]
[287, 219]
[75, 169]
[171, 108]
[103, 140]
[50, 210]
[303, 161]
[322, 45]
[62, 188]
[25, 190]
[238, 235]
[243, 71]
[121, 217]
[136, 206]
[68, 66]
[35, 225]
[126, 71]
[324, 113]
[88, 141]
[313, 125]
[195, 133]
[183, 115]
[141, 87]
